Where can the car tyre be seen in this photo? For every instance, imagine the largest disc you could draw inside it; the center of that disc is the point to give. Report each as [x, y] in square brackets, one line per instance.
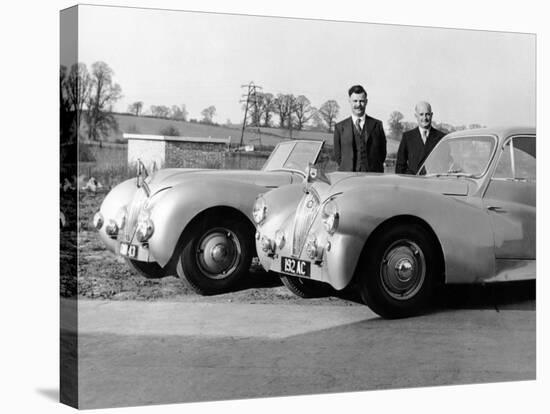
[215, 256]
[398, 272]
[306, 288]
[150, 270]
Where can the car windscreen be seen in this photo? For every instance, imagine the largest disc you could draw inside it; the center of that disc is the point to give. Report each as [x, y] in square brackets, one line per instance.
[465, 156]
[293, 155]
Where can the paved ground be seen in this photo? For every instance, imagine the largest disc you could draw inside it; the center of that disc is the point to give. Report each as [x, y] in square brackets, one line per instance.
[135, 353]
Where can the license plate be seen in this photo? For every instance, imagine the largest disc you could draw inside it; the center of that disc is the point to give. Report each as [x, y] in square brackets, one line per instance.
[295, 267]
[130, 250]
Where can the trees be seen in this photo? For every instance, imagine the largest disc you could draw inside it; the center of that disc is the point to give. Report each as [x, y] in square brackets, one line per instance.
[179, 113]
[267, 107]
[104, 93]
[284, 107]
[303, 111]
[328, 112]
[136, 108]
[160, 111]
[255, 110]
[208, 114]
[75, 87]
[395, 125]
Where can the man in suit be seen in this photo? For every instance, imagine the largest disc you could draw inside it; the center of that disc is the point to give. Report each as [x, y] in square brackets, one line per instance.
[417, 143]
[359, 141]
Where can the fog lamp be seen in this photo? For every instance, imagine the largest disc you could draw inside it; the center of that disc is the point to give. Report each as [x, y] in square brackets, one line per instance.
[267, 245]
[111, 229]
[145, 227]
[280, 239]
[98, 220]
[313, 251]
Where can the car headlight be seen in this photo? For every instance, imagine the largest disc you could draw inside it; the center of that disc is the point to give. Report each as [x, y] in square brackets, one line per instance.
[120, 218]
[145, 227]
[111, 228]
[98, 220]
[330, 216]
[259, 210]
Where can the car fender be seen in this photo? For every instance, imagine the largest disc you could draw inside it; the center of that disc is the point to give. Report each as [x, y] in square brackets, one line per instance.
[281, 203]
[176, 207]
[460, 224]
[119, 196]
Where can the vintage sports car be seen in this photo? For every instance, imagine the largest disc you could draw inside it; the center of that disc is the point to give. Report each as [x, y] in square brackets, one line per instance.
[468, 217]
[196, 223]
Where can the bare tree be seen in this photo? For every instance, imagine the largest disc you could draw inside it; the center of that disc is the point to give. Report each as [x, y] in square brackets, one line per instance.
[67, 115]
[303, 111]
[329, 111]
[208, 114]
[317, 122]
[75, 87]
[267, 108]
[136, 108]
[284, 107]
[104, 93]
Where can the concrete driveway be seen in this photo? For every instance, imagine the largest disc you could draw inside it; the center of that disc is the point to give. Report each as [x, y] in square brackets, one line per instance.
[136, 353]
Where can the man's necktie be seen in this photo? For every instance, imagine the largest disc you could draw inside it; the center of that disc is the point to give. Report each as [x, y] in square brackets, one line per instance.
[358, 125]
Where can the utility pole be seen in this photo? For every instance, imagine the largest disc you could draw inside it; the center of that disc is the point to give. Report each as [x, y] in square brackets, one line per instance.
[251, 100]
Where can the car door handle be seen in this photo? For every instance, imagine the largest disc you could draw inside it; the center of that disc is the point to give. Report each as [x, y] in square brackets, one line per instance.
[496, 209]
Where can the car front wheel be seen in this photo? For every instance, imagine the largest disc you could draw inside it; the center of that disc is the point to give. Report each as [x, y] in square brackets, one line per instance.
[215, 256]
[398, 272]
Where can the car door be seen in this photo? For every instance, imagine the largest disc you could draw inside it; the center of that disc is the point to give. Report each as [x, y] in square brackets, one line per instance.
[510, 200]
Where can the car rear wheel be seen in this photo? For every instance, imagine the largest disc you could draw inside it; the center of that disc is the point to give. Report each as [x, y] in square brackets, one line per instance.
[150, 270]
[306, 288]
[215, 255]
[398, 272]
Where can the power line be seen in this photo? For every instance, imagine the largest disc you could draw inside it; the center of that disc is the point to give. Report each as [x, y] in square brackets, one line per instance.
[251, 100]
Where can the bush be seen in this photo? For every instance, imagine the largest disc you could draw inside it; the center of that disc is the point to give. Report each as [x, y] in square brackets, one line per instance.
[85, 154]
[170, 131]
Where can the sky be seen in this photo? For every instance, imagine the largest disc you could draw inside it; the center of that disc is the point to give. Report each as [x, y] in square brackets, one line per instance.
[200, 59]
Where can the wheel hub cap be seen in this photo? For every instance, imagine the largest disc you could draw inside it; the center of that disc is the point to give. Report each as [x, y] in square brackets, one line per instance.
[403, 269]
[218, 253]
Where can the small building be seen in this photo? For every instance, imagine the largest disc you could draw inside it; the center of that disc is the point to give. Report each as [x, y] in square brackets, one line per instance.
[159, 151]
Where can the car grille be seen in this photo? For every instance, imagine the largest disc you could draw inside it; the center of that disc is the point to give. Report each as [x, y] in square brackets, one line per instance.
[133, 213]
[305, 214]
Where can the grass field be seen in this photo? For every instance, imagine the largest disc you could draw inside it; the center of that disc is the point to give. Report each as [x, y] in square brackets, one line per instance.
[265, 136]
[154, 126]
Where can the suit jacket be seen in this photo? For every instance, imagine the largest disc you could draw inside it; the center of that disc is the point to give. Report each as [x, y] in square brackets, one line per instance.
[412, 150]
[366, 153]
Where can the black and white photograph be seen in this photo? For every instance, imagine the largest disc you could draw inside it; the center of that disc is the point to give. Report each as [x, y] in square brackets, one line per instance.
[244, 221]
[267, 208]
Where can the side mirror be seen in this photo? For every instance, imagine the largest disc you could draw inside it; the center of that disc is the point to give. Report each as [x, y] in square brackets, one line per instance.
[316, 173]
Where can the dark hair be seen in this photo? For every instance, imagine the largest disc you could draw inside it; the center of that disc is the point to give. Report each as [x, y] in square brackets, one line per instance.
[357, 89]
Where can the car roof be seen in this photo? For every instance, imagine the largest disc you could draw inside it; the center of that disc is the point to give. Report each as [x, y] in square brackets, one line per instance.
[500, 131]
